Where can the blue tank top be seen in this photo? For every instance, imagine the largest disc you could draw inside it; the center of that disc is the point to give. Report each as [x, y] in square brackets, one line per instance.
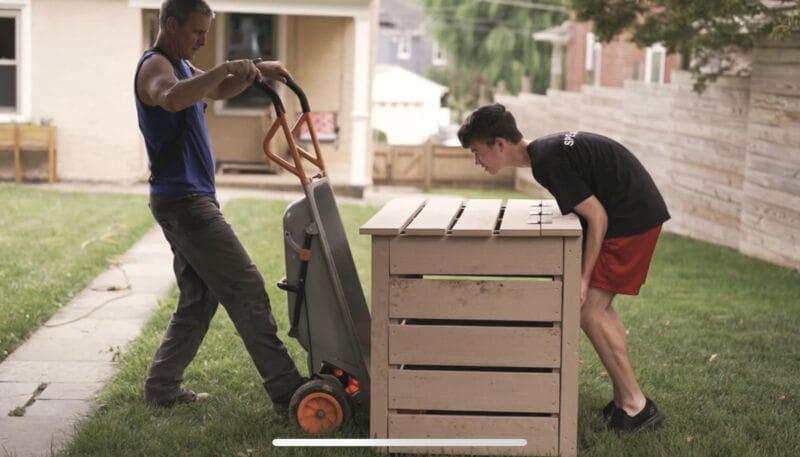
[191, 171]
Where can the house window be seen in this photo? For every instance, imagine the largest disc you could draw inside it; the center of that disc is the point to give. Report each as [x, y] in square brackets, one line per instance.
[9, 61]
[593, 48]
[439, 57]
[249, 36]
[403, 47]
[654, 59]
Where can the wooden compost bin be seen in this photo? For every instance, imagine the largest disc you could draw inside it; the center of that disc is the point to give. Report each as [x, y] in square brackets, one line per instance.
[475, 318]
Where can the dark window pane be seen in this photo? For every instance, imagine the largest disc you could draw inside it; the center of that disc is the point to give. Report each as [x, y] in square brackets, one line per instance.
[8, 86]
[8, 38]
[250, 36]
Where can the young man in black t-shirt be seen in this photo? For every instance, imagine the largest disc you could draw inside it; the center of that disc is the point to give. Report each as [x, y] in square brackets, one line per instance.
[621, 211]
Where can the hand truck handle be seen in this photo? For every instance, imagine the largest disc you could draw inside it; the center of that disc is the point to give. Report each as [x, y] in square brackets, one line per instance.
[297, 152]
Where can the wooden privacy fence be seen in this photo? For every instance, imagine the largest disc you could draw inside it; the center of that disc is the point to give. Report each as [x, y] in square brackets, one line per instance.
[429, 165]
[726, 161]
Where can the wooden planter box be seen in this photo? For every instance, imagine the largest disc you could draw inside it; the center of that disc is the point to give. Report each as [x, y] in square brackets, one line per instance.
[475, 318]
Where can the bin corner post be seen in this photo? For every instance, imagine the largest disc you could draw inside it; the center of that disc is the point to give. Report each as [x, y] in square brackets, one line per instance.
[570, 347]
[379, 401]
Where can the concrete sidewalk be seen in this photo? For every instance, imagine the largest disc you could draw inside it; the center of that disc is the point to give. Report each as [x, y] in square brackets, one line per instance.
[50, 382]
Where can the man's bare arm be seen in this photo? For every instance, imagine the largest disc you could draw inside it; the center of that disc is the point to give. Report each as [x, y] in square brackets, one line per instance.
[593, 212]
[158, 86]
[233, 85]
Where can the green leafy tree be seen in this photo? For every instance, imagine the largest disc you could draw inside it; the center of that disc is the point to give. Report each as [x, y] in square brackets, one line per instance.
[489, 43]
[707, 33]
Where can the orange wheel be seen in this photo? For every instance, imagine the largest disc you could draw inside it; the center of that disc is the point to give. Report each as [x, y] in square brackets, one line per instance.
[319, 412]
[319, 406]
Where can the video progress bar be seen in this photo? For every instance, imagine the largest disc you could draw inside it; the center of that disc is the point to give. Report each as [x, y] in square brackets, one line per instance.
[401, 442]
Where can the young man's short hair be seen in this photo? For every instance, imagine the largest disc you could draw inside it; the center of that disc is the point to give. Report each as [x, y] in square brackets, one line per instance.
[182, 9]
[487, 123]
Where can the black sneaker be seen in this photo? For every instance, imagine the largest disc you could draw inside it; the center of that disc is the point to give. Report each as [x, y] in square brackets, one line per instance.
[608, 410]
[185, 396]
[648, 418]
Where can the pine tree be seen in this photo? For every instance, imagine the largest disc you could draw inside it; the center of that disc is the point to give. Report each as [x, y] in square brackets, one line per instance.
[489, 44]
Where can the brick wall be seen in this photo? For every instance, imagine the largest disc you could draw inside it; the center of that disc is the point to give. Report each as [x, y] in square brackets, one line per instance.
[620, 60]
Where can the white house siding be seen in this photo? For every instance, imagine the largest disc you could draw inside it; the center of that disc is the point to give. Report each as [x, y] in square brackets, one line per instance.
[405, 106]
[83, 59]
[321, 56]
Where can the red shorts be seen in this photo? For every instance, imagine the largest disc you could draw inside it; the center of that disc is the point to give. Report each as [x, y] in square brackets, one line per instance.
[622, 264]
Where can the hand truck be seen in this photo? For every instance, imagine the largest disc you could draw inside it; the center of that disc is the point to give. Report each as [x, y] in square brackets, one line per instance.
[327, 308]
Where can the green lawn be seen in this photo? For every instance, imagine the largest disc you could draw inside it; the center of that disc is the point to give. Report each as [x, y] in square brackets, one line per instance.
[51, 245]
[715, 339]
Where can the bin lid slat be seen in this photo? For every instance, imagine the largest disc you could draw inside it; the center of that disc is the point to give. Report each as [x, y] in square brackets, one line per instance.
[521, 218]
[561, 225]
[435, 218]
[393, 217]
[478, 218]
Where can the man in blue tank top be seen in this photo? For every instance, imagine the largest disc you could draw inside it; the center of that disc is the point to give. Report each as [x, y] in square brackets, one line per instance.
[211, 265]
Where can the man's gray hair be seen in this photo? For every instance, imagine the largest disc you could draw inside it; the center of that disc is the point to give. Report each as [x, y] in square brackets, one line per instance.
[182, 9]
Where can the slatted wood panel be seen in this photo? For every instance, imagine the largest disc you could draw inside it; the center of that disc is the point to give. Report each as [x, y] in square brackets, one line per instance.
[476, 256]
[540, 432]
[453, 345]
[701, 148]
[604, 111]
[502, 300]
[432, 165]
[770, 216]
[393, 217]
[408, 164]
[435, 218]
[521, 218]
[473, 391]
[478, 219]
[455, 165]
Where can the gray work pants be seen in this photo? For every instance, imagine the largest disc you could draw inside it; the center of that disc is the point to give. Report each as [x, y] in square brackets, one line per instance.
[211, 266]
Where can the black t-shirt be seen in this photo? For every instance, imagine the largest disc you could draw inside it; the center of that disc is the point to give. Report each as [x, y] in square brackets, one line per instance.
[575, 165]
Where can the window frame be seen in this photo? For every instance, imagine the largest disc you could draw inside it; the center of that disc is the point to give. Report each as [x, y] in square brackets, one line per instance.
[221, 107]
[593, 56]
[403, 47]
[438, 56]
[19, 10]
[656, 49]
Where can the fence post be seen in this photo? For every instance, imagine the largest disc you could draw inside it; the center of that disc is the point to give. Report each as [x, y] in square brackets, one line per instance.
[427, 152]
[390, 159]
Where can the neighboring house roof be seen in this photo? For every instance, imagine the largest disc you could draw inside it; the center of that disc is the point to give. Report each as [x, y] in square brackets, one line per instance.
[406, 15]
[392, 83]
[557, 35]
